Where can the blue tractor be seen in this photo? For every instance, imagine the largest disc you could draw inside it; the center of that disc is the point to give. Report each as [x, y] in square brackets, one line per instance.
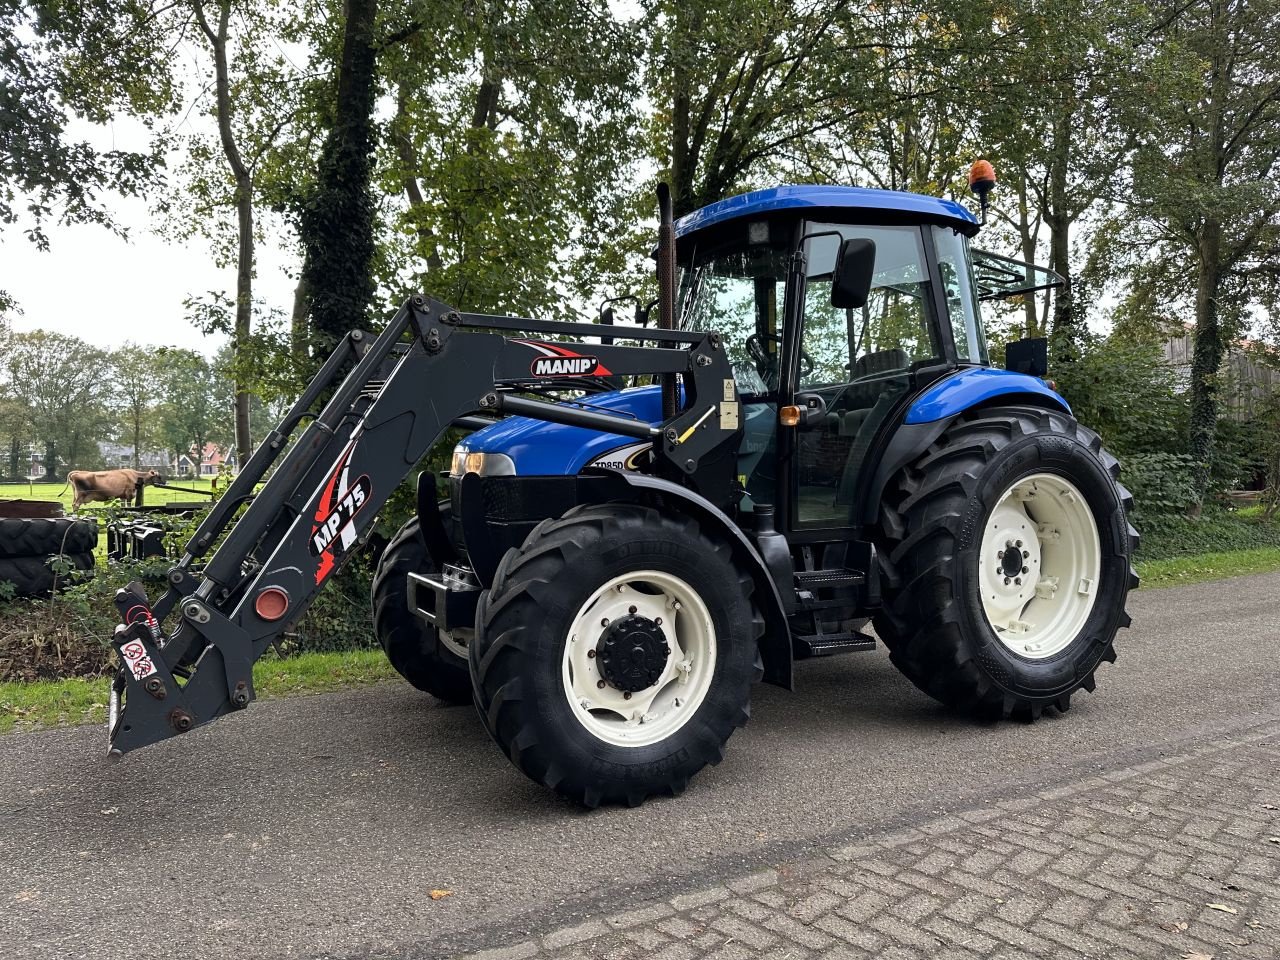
[646, 520]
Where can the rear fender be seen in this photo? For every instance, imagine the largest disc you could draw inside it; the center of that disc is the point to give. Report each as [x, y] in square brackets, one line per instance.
[775, 644]
[906, 441]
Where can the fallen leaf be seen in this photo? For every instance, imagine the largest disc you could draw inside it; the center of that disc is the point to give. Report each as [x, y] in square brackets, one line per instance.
[109, 811]
[1270, 806]
[1221, 906]
[441, 894]
[1238, 943]
[1197, 956]
[1273, 839]
[1179, 927]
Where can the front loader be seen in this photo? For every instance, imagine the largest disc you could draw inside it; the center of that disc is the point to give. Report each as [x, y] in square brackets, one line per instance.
[647, 520]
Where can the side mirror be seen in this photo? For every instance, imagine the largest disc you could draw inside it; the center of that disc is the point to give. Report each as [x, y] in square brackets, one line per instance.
[1029, 355]
[851, 278]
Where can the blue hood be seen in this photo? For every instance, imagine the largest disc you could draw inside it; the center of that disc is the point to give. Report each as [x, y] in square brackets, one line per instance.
[544, 449]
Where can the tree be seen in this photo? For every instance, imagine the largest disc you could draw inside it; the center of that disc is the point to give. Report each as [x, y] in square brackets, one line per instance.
[508, 144]
[195, 402]
[57, 383]
[736, 85]
[1206, 180]
[337, 222]
[90, 60]
[137, 384]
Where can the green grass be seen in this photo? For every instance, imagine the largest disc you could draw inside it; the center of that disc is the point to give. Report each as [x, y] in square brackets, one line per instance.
[62, 493]
[51, 703]
[1197, 568]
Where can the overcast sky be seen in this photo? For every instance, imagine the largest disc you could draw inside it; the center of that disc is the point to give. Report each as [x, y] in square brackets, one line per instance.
[103, 289]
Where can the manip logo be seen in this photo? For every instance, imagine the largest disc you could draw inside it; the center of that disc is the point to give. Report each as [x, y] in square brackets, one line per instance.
[333, 530]
[558, 361]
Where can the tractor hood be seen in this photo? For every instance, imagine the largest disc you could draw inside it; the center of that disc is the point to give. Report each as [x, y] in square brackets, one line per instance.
[539, 448]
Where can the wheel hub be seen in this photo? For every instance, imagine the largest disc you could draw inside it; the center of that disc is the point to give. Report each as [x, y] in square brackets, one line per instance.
[632, 653]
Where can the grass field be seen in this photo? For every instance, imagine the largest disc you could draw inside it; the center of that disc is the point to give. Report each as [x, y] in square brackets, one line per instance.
[62, 493]
[29, 706]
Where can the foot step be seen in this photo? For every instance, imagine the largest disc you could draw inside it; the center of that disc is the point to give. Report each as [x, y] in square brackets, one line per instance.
[829, 644]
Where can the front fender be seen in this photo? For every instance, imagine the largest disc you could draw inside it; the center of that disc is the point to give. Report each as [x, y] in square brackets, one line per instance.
[775, 644]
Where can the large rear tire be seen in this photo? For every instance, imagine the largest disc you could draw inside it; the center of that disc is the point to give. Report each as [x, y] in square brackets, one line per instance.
[1011, 554]
[433, 663]
[615, 652]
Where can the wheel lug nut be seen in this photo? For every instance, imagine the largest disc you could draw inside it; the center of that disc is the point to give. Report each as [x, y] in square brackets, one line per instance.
[1017, 581]
[591, 654]
[631, 609]
[1026, 554]
[600, 684]
[999, 554]
[1018, 544]
[626, 694]
[1026, 569]
[657, 622]
[1006, 581]
[604, 622]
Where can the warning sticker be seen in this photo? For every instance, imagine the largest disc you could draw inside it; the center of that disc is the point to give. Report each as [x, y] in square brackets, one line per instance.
[136, 659]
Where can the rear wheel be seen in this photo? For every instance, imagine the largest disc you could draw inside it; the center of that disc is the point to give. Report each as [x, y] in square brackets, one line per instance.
[1011, 551]
[615, 652]
[429, 659]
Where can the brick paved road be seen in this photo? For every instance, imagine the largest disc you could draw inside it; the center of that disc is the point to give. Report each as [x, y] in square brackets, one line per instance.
[1123, 864]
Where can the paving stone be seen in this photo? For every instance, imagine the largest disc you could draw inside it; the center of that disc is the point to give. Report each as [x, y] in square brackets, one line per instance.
[1107, 866]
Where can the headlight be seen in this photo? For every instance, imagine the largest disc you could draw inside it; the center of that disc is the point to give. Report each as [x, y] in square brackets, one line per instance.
[485, 464]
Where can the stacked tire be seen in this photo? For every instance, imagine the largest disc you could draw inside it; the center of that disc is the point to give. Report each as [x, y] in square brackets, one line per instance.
[27, 547]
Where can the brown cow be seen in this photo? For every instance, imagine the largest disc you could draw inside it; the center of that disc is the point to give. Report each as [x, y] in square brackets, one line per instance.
[105, 485]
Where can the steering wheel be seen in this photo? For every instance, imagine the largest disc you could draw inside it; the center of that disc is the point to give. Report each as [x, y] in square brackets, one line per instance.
[765, 361]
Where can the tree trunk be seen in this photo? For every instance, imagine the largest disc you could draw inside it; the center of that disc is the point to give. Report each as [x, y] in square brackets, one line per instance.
[1206, 358]
[1027, 240]
[1059, 223]
[244, 220]
[337, 223]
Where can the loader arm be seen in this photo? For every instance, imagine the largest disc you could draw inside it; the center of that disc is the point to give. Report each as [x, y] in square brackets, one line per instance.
[430, 367]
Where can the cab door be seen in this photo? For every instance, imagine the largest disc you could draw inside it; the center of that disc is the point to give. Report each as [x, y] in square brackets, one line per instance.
[855, 367]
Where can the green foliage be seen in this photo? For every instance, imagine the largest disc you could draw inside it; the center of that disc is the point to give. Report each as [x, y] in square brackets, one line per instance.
[1123, 390]
[90, 60]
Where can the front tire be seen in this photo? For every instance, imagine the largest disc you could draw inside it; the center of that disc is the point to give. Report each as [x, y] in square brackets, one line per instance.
[615, 652]
[1011, 554]
[431, 662]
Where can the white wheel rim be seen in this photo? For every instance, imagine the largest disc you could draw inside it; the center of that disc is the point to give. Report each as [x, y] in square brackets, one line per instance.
[659, 710]
[1041, 525]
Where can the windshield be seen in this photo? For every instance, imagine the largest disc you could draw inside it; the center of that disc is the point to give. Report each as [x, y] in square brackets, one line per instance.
[740, 291]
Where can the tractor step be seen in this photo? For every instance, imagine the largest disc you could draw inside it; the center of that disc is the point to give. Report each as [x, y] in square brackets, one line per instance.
[827, 579]
[829, 588]
[829, 644]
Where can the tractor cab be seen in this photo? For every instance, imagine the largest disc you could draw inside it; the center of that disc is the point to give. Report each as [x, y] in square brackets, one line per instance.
[837, 306]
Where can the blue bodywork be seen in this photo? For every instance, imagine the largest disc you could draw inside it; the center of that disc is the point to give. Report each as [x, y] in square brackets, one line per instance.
[831, 198]
[545, 449]
[968, 388]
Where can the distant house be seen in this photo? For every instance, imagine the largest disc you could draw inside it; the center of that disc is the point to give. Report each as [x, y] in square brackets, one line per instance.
[211, 463]
[121, 455]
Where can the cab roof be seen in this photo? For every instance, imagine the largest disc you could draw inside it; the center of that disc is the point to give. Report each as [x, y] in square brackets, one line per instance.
[818, 197]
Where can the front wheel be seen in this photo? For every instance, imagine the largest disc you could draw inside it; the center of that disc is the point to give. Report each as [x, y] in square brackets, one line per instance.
[615, 652]
[430, 659]
[1011, 551]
